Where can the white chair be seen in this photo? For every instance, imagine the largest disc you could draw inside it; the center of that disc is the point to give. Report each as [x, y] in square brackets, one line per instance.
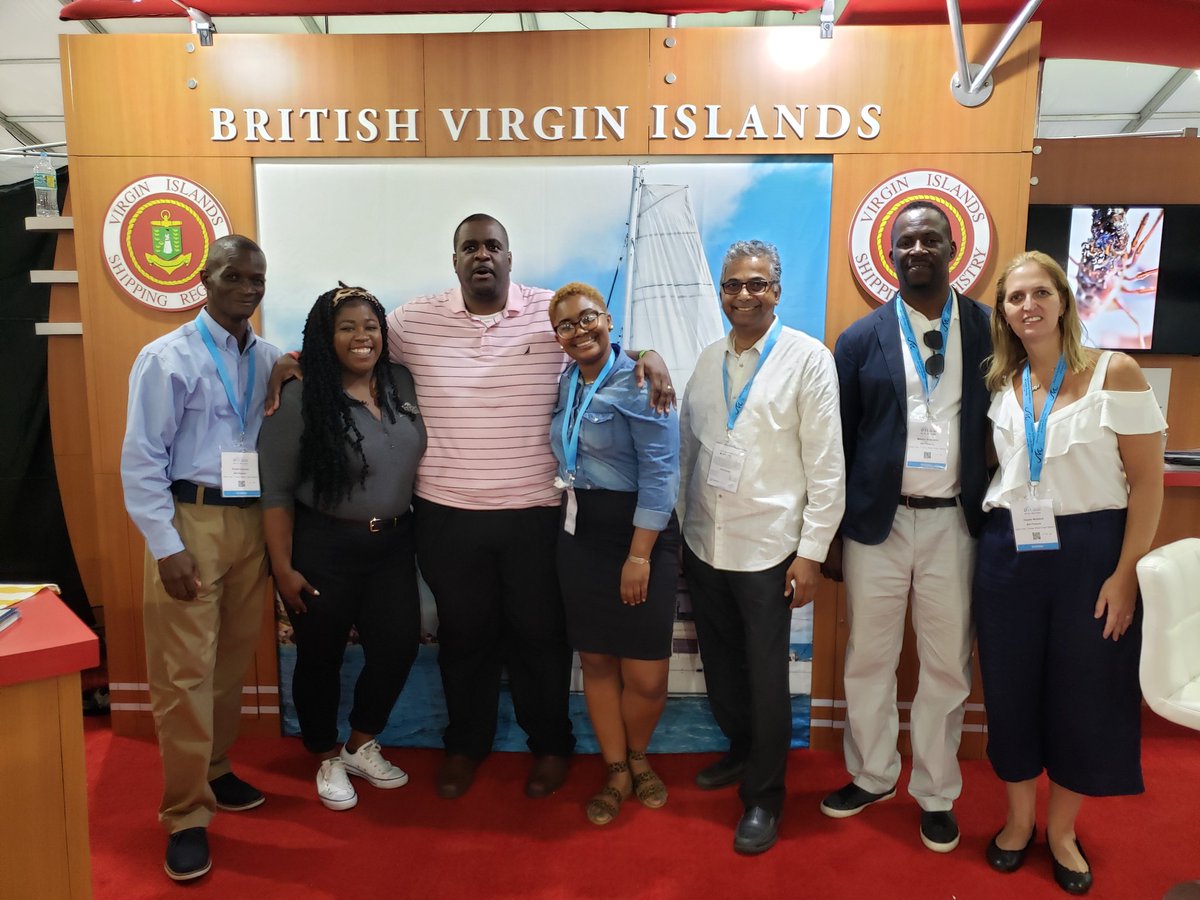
[1170, 665]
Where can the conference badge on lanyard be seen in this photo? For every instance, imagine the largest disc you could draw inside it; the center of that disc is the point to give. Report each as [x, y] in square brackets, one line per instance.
[572, 425]
[1034, 527]
[239, 468]
[728, 459]
[928, 443]
[239, 474]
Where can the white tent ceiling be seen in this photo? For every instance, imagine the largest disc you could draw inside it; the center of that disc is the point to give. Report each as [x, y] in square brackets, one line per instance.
[1079, 97]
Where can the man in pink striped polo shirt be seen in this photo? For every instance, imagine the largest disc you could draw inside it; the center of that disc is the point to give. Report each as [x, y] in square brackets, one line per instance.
[486, 366]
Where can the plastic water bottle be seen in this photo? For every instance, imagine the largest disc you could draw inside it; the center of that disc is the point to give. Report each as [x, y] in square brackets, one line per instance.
[45, 186]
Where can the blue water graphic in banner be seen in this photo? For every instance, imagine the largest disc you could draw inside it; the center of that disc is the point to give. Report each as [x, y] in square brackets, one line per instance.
[419, 716]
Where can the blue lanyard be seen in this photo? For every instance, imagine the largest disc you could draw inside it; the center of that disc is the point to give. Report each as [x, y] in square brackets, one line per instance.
[1035, 438]
[230, 390]
[571, 426]
[914, 351]
[735, 408]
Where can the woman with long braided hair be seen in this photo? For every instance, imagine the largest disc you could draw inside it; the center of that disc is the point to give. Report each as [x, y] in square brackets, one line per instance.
[338, 460]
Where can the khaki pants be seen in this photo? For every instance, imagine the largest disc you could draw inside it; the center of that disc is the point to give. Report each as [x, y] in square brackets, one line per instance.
[197, 654]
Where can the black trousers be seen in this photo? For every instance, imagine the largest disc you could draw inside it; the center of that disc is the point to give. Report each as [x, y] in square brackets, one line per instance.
[742, 623]
[368, 581]
[1059, 697]
[493, 576]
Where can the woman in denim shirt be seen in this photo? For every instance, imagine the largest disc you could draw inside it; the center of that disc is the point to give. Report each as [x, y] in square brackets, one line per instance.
[618, 463]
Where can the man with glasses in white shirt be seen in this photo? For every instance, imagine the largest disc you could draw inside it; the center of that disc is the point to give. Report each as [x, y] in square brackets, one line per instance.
[761, 494]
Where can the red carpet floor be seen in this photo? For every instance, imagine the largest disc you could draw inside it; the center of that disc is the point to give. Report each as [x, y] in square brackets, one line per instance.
[494, 842]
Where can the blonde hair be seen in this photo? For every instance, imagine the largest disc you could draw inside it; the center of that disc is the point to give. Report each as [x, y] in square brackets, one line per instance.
[1008, 353]
[577, 289]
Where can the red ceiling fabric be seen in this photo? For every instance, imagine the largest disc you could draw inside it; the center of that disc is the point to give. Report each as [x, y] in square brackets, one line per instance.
[122, 9]
[1165, 32]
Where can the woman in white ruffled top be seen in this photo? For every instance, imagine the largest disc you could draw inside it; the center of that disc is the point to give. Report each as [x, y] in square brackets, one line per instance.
[1055, 592]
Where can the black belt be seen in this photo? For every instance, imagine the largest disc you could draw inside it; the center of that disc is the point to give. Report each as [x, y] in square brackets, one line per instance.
[928, 502]
[187, 492]
[373, 525]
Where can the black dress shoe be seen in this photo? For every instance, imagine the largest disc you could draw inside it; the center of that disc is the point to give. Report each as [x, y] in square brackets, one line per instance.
[1068, 879]
[187, 854]
[235, 795]
[724, 772]
[1008, 861]
[756, 832]
[455, 776]
[546, 775]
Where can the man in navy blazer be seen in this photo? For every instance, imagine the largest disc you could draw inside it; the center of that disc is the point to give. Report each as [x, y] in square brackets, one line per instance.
[914, 423]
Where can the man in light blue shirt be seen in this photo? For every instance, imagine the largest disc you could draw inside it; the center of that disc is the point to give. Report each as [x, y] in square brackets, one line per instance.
[190, 475]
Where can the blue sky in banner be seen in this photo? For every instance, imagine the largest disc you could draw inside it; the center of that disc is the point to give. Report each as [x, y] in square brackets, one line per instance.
[388, 225]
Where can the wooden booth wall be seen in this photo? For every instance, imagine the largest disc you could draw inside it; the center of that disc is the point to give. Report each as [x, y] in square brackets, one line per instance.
[1143, 172]
[142, 105]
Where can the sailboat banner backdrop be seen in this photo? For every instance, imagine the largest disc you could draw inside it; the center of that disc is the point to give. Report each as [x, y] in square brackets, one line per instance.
[651, 236]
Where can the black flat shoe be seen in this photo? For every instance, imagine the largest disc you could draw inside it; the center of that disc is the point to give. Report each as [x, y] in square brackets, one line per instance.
[1068, 879]
[1008, 861]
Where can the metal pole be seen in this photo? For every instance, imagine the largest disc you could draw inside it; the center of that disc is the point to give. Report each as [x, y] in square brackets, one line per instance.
[960, 50]
[1006, 41]
[635, 196]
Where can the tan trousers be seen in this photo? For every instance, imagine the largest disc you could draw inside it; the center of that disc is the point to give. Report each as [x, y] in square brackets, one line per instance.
[197, 654]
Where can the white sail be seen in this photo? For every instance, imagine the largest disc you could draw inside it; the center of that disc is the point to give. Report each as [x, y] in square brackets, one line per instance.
[672, 305]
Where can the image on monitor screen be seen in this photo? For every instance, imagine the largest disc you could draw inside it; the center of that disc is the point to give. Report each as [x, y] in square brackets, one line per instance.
[1113, 266]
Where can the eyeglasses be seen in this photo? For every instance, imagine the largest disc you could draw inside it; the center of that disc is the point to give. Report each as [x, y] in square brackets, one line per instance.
[754, 286]
[566, 328]
[936, 364]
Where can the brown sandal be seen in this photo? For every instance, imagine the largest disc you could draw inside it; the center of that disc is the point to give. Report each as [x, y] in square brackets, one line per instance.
[603, 807]
[648, 787]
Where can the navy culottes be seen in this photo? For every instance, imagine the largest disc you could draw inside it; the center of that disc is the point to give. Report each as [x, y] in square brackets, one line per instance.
[1059, 697]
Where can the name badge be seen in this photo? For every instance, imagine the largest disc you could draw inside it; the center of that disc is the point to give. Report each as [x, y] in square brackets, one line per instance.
[1033, 525]
[928, 444]
[239, 474]
[725, 470]
[572, 512]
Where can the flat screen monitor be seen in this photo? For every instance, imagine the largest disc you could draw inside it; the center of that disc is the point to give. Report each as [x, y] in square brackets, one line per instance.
[1135, 271]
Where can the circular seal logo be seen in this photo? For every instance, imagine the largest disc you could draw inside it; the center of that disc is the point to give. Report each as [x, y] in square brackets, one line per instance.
[157, 235]
[871, 229]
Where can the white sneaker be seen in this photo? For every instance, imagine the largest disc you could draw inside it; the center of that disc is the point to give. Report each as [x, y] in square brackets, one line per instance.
[333, 787]
[368, 762]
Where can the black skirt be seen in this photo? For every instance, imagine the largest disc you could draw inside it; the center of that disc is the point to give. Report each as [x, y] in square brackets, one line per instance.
[589, 570]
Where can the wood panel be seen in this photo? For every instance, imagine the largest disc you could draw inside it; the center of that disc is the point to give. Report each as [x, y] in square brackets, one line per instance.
[160, 91]
[906, 73]
[125, 93]
[43, 791]
[529, 72]
[1117, 170]
[1001, 181]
